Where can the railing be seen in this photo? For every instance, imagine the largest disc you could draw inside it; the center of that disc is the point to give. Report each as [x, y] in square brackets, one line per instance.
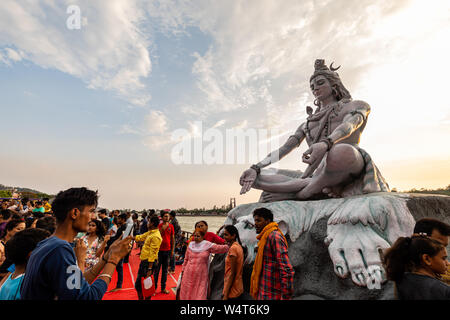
[188, 234]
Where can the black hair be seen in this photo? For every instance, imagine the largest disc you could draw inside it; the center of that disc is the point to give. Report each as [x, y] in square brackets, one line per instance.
[47, 223]
[16, 216]
[162, 213]
[405, 255]
[206, 224]
[234, 231]
[152, 211]
[5, 213]
[123, 216]
[73, 198]
[39, 202]
[100, 231]
[38, 214]
[154, 221]
[103, 211]
[12, 224]
[22, 243]
[29, 221]
[427, 225]
[172, 213]
[45, 199]
[264, 213]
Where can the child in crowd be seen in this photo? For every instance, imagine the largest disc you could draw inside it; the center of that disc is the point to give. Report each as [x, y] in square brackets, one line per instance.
[18, 250]
[180, 251]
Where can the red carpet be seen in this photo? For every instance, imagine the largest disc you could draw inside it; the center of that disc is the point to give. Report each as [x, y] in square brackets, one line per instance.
[129, 276]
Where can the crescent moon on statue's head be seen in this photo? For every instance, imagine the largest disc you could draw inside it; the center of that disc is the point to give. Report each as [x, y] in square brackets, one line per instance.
[333, 69]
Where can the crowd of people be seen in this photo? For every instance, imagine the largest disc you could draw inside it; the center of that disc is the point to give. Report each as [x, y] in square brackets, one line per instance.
[70, 249]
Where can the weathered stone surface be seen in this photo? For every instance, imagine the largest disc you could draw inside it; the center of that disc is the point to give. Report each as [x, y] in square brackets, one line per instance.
[334, 244]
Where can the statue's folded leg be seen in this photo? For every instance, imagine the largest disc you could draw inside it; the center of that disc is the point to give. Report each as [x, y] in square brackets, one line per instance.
[342, 163]
[272, 196]
[291, 186]
[280, 181]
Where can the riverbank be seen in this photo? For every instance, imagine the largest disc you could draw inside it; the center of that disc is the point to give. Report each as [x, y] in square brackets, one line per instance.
[187, 223]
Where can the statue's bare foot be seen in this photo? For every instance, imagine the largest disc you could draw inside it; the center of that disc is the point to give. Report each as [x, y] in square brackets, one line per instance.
[355, 250]
[271, 196]
[333, 192]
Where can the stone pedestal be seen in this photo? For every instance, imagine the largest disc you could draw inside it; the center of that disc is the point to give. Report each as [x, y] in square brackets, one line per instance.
[334, 244]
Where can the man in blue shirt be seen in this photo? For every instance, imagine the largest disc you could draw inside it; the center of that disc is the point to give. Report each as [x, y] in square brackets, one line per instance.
[52, 271]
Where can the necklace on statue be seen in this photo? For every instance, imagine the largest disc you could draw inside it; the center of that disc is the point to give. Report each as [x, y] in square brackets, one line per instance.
[330, 111]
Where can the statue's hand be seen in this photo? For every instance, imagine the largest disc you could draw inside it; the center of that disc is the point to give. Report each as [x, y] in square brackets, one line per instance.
[247, 179]
[313, 156]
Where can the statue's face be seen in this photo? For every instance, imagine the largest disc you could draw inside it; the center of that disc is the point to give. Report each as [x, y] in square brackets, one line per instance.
[321, 88]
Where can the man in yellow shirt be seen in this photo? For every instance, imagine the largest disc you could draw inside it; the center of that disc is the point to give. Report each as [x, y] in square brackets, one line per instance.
[149, 253]
[47, 205]
[437, 230]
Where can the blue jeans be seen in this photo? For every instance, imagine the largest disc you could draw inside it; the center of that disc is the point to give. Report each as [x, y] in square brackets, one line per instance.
[119, 269]
[163, 260]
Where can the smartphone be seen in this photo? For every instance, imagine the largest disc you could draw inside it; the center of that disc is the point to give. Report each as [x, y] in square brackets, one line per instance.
[128, 231]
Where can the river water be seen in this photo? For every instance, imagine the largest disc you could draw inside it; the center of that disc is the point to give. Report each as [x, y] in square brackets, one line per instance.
[187, 223]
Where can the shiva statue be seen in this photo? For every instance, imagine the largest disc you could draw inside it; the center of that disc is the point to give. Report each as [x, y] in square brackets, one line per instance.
[337, 166]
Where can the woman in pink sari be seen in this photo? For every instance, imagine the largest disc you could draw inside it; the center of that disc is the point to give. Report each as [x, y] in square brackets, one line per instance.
[195, 279]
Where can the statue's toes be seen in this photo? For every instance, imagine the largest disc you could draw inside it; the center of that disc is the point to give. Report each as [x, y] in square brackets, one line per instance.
[339, 263]
[377, 275]
[375, 269]
[372, 256]
[326, 190]
[358, 271]
[360, 276]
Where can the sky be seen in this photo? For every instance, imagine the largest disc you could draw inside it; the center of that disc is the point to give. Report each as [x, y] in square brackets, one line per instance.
[102, 93]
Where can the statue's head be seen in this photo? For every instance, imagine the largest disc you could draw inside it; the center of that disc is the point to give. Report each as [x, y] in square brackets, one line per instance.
[338, 89]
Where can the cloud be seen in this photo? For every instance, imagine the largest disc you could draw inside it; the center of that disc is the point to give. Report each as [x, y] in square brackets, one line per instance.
[256, 66]
[153, 132]
[9, 56]
[263, 51]
[108, 52]
[156, 122]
